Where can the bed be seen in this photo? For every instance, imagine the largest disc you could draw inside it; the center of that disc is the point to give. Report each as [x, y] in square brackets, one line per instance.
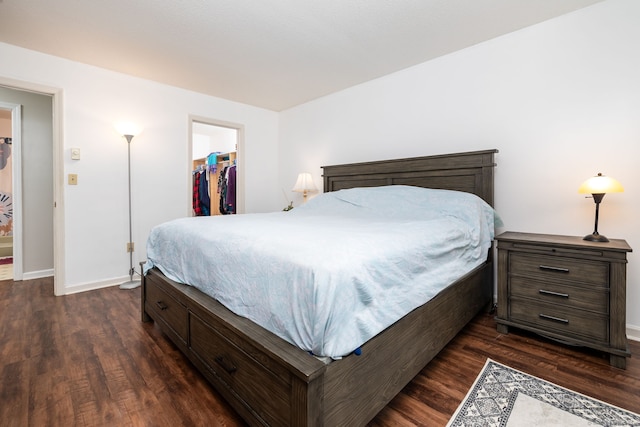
[270, 381]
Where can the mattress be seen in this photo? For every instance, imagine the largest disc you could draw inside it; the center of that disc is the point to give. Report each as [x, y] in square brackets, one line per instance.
[331, 274]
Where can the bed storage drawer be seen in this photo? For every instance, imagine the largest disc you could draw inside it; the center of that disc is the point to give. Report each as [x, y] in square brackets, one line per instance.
[265, 385]
[166, 309]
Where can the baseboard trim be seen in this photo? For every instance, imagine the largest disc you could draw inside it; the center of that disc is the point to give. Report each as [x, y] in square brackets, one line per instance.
[633, 332]
[37, 274]
[68, 290]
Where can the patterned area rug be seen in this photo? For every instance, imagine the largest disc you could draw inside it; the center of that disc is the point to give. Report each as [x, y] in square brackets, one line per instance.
[504, 397]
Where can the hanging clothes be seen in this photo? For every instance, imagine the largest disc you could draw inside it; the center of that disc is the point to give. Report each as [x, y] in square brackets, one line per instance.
[196, 194]
[230, 196]
[222, 190]
[205, 201]
[200, 197]
[227, 190]
[212, 162]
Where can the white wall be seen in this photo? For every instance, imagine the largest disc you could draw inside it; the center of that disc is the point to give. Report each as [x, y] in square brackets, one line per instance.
[96, 210]
[560, 100]
[208, 138]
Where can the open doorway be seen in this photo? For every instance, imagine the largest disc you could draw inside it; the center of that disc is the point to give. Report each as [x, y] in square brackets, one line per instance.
[38, 211]
[215, 158]
[6, 195]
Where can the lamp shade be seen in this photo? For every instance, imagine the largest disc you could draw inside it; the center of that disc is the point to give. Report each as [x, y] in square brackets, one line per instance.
[128, 128]
[600, 184]
[304, 183]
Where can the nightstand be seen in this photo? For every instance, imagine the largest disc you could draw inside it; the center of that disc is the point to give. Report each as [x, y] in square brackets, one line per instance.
[565, 288]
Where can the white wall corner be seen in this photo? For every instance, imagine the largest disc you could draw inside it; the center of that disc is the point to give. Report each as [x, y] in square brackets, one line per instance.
[633, 332]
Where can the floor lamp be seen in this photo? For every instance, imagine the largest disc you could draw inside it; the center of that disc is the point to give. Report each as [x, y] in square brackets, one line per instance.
[129, 130]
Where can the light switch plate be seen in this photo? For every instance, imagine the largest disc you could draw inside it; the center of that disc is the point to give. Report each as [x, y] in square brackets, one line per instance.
[75, 154]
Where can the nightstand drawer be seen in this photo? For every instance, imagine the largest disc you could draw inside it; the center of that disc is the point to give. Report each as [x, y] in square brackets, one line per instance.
[563, 320]
[555, 268]
[592, 298]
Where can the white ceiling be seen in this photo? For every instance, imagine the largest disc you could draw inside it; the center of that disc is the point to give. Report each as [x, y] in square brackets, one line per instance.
[269, 53]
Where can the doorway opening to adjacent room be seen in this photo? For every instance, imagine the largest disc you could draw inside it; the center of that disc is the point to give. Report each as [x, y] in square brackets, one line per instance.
[216, 173]
[6, 193]
[36, 140]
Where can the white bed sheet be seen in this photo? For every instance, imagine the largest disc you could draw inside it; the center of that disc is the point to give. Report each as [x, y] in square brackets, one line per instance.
[333, 273]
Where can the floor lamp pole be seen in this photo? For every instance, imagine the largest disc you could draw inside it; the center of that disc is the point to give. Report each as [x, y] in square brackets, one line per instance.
[131, 284]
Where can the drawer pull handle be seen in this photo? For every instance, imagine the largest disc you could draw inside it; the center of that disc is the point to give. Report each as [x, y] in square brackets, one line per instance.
[229, 367]
[161, 305]
[556, 269]
[555, 319]
[555, 294]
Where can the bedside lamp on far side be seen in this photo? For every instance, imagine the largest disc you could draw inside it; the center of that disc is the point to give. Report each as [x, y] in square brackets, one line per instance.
[305, 185]
[598, 186]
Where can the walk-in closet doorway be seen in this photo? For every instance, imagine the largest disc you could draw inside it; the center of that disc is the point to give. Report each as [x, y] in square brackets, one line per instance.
[216, 168]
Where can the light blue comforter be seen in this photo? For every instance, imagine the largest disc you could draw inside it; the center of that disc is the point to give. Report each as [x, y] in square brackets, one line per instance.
[333, 273]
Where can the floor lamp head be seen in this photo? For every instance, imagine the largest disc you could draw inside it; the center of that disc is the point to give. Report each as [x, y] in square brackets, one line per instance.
[127, 129]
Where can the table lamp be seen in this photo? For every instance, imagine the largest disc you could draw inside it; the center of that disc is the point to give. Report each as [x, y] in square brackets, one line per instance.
[598, 186]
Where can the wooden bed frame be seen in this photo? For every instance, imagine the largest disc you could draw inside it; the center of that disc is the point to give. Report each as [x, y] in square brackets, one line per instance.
[271, 382]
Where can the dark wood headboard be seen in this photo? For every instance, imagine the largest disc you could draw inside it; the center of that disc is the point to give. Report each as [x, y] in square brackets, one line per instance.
[471, 172]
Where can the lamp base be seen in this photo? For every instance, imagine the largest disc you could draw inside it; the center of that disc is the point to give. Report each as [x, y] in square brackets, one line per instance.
[131, 284]
[595, 237]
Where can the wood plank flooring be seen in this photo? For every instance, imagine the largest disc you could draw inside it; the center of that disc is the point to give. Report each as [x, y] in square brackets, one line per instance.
[87, 360]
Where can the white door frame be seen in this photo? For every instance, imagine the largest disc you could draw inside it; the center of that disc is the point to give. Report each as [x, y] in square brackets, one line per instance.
[58, 177]
[16, 184]
[240, 202]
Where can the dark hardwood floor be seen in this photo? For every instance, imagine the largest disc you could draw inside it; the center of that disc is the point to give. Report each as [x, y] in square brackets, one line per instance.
[87, 360]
